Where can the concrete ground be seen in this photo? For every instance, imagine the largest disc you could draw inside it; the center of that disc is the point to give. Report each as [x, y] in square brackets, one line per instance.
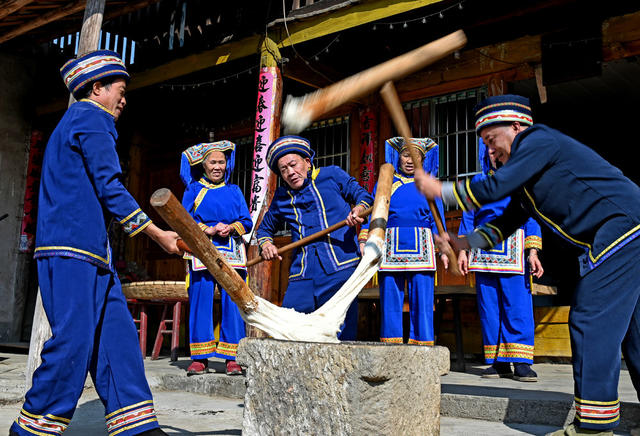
[212, 404]
[181, 413]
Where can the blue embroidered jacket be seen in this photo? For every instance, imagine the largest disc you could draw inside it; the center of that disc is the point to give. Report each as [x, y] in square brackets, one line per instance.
[323, 200]
[210, 204]
[564, 185]
[80, 188]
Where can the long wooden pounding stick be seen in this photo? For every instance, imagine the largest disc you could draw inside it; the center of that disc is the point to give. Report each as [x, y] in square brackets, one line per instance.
[179, 219]
[392, 101]
[310, 238]
[299, 112]
[299, 243]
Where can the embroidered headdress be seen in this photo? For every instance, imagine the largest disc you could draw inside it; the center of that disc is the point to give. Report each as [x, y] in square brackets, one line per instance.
[393, 147]
[96, 65]
[192, 158]
[285, 145]
[503, 109]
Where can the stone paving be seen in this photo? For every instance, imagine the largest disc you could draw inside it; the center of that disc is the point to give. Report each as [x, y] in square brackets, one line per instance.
[212, 404]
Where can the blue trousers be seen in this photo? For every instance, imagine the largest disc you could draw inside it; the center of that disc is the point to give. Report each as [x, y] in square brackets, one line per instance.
[506, 317]
[93, 332]
[202, 342]
[420, 288]
[605, 320]
[308, 295]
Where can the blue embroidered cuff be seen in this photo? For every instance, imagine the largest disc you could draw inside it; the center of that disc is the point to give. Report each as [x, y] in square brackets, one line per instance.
[135, 222]
[264, 240]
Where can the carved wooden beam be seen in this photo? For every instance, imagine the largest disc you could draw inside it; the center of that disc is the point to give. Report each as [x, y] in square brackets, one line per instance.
[66, 10]
[8, 7]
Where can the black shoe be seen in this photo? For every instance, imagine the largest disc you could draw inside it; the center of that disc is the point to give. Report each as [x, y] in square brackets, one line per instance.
[13, 433]
[524, 373]
[498, 370]
[154, 432]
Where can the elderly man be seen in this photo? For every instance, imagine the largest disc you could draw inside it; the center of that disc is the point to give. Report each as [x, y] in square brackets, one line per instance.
[314, 199]
[582, 198]
[92, 328]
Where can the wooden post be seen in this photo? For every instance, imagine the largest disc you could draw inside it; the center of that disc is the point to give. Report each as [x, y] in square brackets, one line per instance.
[41, 331]
[267, 130]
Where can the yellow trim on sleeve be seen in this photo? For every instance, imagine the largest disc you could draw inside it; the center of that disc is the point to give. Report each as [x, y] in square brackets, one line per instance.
[457, 196]
[496, 229]
[203, 226]
[131, 215]
[487, 238]
[240, 230]
[264, 240]
[533, 242]
[139, 229]
[468, 186]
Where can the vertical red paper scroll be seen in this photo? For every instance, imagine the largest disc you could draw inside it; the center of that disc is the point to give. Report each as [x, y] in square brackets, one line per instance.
[28, 228]
[368, 140]
[269, 83]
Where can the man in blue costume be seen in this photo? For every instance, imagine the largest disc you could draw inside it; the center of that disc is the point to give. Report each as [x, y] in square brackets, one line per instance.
[503, 287]
[221, 212]
[583, 199]
[409, 258]
[92, 329]
[314, 199]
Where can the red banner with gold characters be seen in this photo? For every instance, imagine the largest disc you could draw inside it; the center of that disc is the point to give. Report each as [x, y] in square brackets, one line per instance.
[28, 229]
[368, 141]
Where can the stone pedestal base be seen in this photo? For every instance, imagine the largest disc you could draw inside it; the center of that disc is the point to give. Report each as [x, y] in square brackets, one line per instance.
[351, 388]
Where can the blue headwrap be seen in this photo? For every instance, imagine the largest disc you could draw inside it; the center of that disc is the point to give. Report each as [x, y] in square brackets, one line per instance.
[192, 158]
[285, 145]
[96, 65]
[428, 148]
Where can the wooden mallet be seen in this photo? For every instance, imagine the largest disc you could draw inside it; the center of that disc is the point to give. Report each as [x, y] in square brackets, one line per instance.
[300, 112]
[392, 101]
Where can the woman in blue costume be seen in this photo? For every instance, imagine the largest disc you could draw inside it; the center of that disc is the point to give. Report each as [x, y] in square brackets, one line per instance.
[409, 256]
[221, 212]
[503, 288]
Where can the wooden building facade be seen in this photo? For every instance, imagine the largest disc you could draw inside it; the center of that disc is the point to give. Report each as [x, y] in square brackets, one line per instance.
[195, 66]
